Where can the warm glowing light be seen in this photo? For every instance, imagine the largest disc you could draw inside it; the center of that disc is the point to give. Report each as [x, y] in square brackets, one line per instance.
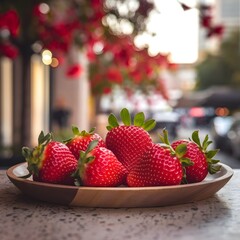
[222, 111]
[197, 112]
[44, 8]
[54, 62]
[46, 57]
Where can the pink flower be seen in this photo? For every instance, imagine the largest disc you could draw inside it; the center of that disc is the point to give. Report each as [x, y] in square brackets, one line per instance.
[8, 50]
[10, 21]
[107, 90]
[114, 75]
[136, 76]
[74, 71]
[215, 30]
[206, 21]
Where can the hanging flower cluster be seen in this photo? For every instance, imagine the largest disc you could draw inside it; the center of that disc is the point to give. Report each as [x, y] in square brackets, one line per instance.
[57, 25]
[206, 20]
[121, 63]
[9, 29]
[50, 24]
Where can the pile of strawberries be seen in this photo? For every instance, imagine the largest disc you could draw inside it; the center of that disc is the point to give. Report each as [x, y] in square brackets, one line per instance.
[127, 157]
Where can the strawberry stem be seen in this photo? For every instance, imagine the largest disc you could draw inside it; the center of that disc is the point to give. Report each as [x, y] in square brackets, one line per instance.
[34, 156]
[84, 158]
[76, 132]
[44, 139]
[179, 152]
[138, 120]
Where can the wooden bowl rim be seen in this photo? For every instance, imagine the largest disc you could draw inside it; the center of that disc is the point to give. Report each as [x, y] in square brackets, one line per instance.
[225, 173]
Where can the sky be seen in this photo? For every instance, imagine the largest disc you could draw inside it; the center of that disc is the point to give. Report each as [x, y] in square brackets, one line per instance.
[176, 31]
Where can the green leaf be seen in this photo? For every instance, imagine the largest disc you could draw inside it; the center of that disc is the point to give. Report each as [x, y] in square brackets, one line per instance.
[139, 119]
[213, 161]
[186, 162]
[84, 158]
[205, 141]
[211, 153]
[75, 130]
[195, 138]
[165, 137]
[205, 145]
[149, 124]
[214, 169]
[91, 146]
[40, 137]
[125, 116]
[181, 150]
[109, 128]
[112, 120]
[67, 140]
[161, 138]
[44, 139]
[26, 152]
[89, 159]
[92, 130]
[82, 154]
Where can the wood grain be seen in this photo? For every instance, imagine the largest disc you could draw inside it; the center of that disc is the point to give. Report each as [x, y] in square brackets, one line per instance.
[121, 196]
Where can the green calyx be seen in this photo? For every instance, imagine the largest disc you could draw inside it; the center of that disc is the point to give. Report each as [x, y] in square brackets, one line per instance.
[212, 167]
[85, 157]
[179, 152]
[138, 120]
[76, 133]
[34, 156]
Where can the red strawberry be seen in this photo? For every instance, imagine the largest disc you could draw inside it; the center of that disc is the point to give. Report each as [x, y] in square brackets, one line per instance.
[50, 161]
[129, 142]
[202, 158]
[99, 167]
[158, 167]
[81, 140]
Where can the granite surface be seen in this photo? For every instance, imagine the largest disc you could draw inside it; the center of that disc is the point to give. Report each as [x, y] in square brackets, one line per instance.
[217, 217]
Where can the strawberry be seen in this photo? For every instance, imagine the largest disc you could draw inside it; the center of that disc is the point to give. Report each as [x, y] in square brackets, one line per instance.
[99, 167]
[202, 158]
[160, 166]
[81, 140]
[50, 161]
[129, 142]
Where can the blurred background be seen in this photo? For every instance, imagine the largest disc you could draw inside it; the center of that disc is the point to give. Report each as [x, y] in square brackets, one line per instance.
[72, 62]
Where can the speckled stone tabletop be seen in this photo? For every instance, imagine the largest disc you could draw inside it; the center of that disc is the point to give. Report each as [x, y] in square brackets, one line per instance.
[217, 217]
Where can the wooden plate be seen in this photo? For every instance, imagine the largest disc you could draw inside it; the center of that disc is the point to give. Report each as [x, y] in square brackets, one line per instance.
[118, 196]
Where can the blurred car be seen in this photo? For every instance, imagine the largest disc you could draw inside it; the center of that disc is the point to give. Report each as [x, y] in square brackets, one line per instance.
[219, 130]
[226, 134]
[233, 138]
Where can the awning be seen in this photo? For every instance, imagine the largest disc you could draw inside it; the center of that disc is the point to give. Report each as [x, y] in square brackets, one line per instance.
[212, 97]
